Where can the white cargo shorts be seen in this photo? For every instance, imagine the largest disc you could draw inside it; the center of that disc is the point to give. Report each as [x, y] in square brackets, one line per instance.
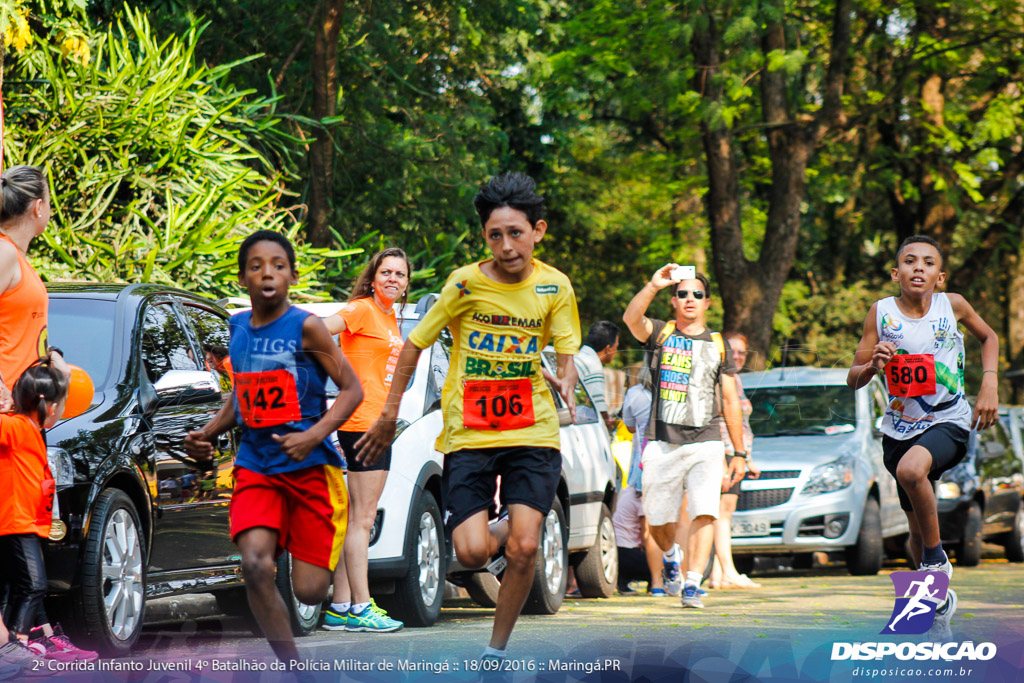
[695, 469]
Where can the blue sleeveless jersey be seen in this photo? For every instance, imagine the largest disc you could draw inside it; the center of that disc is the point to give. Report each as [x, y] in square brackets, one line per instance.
[278, 389]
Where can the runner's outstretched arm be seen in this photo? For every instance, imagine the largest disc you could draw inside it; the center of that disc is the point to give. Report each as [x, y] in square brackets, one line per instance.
[382, 432]
[317, 342]
[986, 407]
[871, 355]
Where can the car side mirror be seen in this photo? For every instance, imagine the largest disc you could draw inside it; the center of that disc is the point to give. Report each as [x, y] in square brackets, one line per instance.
[181, 387]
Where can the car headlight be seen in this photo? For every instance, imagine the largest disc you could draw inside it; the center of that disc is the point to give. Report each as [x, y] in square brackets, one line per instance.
[948, 490]
[62, 467]
[832, 476]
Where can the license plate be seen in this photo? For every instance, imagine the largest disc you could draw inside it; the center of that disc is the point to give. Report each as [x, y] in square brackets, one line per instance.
[743, 528]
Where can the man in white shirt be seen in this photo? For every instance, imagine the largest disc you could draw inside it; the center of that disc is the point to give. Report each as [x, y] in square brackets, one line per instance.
[598, 350]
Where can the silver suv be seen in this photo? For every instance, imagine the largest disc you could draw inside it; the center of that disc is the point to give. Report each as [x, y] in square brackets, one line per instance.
[823, 486]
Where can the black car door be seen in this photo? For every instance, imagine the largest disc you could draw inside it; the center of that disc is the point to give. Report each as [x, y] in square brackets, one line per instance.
[1000, 472]
[191, 529]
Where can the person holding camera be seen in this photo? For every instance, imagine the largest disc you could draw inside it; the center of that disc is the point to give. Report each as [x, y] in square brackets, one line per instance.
[694, 386]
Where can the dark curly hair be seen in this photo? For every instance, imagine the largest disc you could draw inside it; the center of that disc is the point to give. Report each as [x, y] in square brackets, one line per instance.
[514, 190]
[40, 385]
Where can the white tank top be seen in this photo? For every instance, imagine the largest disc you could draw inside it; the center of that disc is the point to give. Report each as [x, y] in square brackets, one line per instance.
[937, 334]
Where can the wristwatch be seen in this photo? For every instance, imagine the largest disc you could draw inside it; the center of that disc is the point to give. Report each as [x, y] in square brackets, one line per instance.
[742, 454]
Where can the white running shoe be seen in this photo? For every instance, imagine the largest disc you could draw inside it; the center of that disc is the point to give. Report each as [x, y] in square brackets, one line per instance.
[945, 566]
[940, 632]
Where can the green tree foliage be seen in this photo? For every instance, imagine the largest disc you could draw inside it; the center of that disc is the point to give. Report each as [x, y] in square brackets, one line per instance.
[158, 168]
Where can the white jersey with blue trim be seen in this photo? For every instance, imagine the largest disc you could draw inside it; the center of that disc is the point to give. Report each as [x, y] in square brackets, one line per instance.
[935, 333]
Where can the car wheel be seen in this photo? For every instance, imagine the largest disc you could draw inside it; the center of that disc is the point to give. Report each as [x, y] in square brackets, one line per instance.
[551, 568]
[968, 551]
[419, 594]
[865, 556]
[1015, 538]
[483, 588]
[597, 574]
[113, 592]
[303, 618]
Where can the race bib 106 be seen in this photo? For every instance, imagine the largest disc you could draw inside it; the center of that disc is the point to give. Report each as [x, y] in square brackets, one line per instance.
[910, 375]
[267, 399]
[497, 404]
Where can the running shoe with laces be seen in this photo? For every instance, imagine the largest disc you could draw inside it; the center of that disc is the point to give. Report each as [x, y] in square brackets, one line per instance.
[372, 619]
[945, 566]
[657, 593]
[940, 632]
[18, 661]
[335, 621]
[691, 596]
[671, 576]
[59, 647]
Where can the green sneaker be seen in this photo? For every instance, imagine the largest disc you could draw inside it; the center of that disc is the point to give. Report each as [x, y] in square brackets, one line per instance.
[334, 621]
[373, 619]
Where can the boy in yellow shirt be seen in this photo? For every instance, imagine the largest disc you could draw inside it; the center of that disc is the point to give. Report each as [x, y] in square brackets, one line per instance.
[499, 417]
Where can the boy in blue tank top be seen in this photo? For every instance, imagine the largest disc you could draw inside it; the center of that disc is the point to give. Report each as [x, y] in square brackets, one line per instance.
[913, 340]
[289, 492]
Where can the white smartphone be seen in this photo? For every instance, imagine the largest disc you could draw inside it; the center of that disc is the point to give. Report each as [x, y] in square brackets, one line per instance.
[683, 273]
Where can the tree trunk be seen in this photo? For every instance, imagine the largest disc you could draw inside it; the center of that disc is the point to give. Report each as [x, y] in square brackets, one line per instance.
[325, 95]
[751, 290]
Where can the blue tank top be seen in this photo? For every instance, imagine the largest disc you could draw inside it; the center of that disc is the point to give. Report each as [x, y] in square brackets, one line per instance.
[278, 389]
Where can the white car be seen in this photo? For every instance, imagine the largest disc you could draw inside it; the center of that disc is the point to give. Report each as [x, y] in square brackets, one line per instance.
[410, 555]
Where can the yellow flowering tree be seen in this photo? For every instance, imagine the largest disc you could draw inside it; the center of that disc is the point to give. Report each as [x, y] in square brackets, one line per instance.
[26, 22]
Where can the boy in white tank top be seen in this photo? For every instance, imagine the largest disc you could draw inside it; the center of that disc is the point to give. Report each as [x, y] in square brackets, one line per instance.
[914, 342]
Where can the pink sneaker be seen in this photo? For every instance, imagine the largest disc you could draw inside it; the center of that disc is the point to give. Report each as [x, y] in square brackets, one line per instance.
[59, 647]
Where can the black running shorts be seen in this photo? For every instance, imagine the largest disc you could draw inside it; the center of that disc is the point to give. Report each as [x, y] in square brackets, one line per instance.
[945, 441]
[529, 476]
[347, 444]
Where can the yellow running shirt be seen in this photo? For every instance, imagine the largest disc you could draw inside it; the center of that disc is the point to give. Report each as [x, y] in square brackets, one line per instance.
[494, 394]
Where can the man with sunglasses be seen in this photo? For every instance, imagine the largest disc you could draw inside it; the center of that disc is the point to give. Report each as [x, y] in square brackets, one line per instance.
[694, 387]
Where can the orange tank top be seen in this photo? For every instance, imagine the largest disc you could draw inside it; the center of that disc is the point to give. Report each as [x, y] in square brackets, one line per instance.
[372, 342]
[26, 506]
[22, 322]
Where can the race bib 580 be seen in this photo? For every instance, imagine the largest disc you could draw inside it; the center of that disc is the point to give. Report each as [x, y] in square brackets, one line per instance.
[910, 375]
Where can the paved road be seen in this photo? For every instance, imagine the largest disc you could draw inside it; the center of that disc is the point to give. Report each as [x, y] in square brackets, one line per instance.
[783, 631]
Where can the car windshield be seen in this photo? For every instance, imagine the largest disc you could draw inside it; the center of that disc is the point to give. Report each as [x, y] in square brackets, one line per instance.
[786, 411]
[84, 330]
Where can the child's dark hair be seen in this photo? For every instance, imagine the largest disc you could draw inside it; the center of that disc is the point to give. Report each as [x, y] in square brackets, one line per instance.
[362, 287]
[920, 239]
[267, 236]
[38, 386]
[514, 190]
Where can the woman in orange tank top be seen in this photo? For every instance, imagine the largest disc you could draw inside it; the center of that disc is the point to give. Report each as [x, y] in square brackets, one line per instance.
[369, 335]
[24, 214]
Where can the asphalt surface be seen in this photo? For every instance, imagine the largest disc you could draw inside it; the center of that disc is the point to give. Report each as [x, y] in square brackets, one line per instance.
[785, 630]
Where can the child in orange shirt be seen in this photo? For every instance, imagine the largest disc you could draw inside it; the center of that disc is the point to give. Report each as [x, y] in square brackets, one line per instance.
[26, 509]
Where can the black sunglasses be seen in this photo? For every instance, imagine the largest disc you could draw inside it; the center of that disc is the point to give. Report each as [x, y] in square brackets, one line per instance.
[698, 294]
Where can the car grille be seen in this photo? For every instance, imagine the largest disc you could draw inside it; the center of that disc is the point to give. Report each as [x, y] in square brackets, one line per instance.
[779, 474]
[763, 498]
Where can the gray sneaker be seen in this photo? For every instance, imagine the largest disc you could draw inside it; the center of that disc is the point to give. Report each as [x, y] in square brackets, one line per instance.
[945, 567]
[691, 596]
[940, 632]
[18, 661]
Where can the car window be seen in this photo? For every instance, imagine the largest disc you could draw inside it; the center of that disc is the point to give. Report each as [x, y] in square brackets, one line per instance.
[214, 338]
[84, 330]
[164, 344]
[784, 411]
[586, 413]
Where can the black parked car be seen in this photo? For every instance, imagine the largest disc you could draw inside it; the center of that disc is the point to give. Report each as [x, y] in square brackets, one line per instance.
[143, 519]
[981, 498]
